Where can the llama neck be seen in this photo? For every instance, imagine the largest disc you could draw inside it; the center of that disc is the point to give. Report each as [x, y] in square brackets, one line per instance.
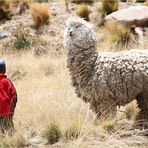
[82, 65]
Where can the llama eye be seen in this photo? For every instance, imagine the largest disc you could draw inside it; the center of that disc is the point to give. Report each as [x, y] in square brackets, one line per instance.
[78, 26]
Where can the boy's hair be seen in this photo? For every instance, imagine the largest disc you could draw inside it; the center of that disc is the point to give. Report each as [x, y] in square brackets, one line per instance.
[2, 67]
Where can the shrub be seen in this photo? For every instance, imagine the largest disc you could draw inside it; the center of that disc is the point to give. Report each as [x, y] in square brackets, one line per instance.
[109, 6]
[40, 15]
[82, 1]
[5, 9]
[118, 33]
[83, 11]
[52, 133]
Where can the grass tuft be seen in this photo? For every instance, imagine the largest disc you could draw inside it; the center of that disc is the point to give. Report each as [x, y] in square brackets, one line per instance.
[83, 12]
[14, 141]
[118, 34]
[40, 14]
[52, 133]
[71, 133]
[108, 7]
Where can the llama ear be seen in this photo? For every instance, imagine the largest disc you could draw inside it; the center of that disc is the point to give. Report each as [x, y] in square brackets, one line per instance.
[71, 18]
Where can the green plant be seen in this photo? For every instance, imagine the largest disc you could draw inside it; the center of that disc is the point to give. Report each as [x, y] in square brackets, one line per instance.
[52, 133]
[83, 11]
[21, 43]
[21, 38]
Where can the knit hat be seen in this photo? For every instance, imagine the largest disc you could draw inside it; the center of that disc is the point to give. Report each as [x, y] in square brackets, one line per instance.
[2, 66]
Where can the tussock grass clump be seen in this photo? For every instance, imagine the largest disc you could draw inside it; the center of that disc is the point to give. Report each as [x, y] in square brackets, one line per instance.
[5, 9]
[83, 12]
[108, 6]
[52, 133]
[82, 1]
[40, 14]
[109, 125]
[132, 110]
[16, 140]
[118, 34]
[71, 133]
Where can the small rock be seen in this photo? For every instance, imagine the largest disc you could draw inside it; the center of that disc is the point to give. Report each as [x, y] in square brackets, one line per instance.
[4, 35]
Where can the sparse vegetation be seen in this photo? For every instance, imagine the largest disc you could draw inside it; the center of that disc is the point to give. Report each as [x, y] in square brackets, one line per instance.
[83, 11]
[40, 14]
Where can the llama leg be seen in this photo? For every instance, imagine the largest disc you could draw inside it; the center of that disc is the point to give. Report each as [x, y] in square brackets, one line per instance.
[142, 118]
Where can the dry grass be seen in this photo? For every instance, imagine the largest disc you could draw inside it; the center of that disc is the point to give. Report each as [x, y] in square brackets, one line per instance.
[117, 36]
[67, 4]
[83, 11]
[40, 14]
[45, 100]
[109, 6]
[46, 97]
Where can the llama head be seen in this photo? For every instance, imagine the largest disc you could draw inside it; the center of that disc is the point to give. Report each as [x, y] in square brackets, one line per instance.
[79, 34]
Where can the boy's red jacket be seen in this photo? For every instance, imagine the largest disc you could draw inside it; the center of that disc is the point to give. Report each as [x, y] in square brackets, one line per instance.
[8, 97]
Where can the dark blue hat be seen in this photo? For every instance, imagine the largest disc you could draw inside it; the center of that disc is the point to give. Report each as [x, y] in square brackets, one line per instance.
[2, 66]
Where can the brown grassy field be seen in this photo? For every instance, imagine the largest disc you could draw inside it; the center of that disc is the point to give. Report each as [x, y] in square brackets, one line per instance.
[46, 98]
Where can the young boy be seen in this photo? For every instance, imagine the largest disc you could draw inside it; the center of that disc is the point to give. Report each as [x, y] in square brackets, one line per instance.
[8, 99]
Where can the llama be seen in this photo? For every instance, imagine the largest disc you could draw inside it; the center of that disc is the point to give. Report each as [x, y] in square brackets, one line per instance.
[105, 79]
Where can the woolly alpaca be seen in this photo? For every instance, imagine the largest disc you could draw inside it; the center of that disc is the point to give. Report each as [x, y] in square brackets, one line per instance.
[105, 79]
